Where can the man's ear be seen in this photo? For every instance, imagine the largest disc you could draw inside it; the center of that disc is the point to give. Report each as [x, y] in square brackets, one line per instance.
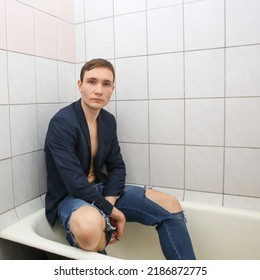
[79, 85]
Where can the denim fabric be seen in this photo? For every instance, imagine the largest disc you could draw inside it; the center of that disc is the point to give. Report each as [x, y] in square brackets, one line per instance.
[69, 205]
[173, 234]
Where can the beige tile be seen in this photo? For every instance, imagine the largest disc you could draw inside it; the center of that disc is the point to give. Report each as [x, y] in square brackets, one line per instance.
[45, 35]
[48, 6]
[65, 41]
[20, 27]
[65, 10]
[2, 25]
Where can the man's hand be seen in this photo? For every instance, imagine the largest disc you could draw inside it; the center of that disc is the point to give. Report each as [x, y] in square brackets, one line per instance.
[117, 219]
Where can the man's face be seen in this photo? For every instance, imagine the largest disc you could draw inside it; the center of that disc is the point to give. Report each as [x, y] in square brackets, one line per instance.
[96, 88]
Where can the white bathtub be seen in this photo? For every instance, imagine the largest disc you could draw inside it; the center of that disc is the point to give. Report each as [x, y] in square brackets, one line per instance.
[216, 232]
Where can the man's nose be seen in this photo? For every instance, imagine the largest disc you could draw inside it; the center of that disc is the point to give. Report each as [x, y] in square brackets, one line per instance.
[99, 89]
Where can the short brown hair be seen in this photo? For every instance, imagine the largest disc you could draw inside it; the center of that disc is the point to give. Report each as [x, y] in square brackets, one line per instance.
[94, 63]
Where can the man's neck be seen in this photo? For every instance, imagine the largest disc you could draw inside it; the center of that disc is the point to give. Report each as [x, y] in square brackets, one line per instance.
[91, 115]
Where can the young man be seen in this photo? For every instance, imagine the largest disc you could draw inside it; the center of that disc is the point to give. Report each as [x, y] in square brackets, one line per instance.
[86, 176]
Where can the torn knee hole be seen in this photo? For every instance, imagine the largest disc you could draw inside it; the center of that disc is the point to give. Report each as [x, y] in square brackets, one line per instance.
[167, 201]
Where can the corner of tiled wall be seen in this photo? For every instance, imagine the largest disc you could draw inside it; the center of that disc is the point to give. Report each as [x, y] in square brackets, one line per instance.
[37, 68]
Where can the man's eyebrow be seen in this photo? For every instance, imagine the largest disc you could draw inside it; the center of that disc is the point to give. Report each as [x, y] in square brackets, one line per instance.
[95, 79]
[108, 81]
[91, 78]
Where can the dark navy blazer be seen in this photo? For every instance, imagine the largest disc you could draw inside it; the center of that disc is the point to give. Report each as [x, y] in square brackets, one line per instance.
[68, 158]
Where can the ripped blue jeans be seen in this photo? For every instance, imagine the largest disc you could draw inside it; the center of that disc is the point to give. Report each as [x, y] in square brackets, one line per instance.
[173, 234]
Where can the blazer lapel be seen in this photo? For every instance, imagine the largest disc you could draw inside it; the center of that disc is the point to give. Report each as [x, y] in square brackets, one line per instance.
[83, 123]
[101, 140]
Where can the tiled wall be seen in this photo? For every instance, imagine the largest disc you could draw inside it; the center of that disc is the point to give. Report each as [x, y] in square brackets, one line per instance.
[187, 97]
[37, 72]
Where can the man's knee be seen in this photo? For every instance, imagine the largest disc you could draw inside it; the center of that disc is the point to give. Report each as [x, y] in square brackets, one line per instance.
[87, 226]
[167, 201]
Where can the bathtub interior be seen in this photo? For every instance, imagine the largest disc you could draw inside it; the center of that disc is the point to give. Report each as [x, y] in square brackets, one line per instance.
[216, 233]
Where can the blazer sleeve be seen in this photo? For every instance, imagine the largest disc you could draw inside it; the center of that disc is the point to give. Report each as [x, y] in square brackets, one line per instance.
[61, 141]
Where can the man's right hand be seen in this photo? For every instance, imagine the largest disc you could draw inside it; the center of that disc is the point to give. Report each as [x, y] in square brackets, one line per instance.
[117, 219]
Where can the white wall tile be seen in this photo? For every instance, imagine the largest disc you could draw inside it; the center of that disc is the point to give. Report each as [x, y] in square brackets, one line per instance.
[21, 74]
[4, 78]
[6, 186]
[129, 72]
[45, 113]
[136, 157]
[126, 6]
[66, 81]
[151, 4]
[48, 6]
[43, 198]
[45, 32]
[161, 38]
[20, 27]
[65, 10]
[130, 35]
[5, 145]
[167, 166]
[47, 80]
[26, 178]
[2, 25]
[111, 107]
[65, 41]
[166, 79]
[204, 169]
[132, 121]
[99, 39]
[205, 122]
[79, 11]
[204, 197]
[42, 173]
[28, 2]
[8, 218]
[23, 129]
[242, 176]
[242, 122]
[250, 203]
[80, 49]
[204, 73]
[29, 208]
[98, 9]
[242, 22]
[242, 71]
[204, 24]
[166, 121]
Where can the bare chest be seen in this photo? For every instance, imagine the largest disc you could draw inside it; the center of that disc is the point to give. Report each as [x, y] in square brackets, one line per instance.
[93, 132]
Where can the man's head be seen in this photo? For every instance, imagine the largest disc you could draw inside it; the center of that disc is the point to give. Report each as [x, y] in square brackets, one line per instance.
[94, 63]
[96, 84]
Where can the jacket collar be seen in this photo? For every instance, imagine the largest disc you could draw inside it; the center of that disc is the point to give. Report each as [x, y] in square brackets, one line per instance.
[82, 121]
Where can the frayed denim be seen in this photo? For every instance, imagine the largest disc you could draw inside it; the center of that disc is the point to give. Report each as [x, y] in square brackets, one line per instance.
[173, 234]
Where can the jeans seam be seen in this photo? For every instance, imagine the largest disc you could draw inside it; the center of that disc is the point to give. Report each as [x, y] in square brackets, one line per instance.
[171, 240]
